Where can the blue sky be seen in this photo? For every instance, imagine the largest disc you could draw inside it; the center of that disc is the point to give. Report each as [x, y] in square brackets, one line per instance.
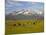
[16, 5]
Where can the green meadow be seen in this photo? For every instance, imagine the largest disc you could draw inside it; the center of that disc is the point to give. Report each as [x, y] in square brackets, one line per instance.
[24, 26]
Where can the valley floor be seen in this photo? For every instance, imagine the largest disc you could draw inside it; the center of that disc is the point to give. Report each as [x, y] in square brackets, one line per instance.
[24, 26]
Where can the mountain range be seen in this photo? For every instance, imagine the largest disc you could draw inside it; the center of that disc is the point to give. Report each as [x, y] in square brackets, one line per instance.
[25, 14]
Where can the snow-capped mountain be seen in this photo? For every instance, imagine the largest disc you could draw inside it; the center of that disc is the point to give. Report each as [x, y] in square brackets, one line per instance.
[28, 12]
[25, 14]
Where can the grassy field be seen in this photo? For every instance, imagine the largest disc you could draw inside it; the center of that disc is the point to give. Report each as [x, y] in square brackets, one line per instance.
[24, 26]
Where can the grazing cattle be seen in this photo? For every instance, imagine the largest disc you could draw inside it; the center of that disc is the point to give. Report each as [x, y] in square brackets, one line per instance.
[14, 25]
[34, 23]
[19, 24]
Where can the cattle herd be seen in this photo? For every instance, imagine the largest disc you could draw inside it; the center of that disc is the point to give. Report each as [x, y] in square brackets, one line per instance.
[19, 24]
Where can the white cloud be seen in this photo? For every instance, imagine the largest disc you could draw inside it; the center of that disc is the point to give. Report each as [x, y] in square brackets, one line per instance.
[39, 12]
[16, 3]
[33, 3]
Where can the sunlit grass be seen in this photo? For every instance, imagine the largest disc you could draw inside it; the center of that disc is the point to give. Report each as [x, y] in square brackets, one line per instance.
[27, 26]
